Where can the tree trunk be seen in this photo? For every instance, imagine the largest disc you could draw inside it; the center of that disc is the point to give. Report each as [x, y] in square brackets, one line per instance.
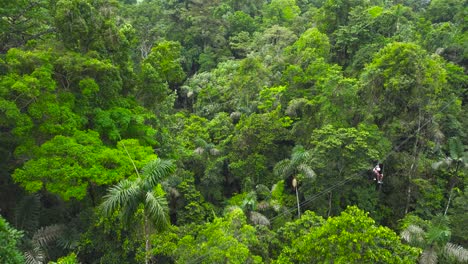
[449, 199]
[298, 205]
[329, 204]
[413, 166]
[147, 240]
[454, 176]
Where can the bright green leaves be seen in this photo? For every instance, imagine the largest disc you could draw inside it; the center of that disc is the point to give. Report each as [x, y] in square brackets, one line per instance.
[280, 12]
[166, 58]
[118, 122]
[161, 71]
[401, 79]
[10, 237]
[350, 149]
[312, 44]
[67, 165]
[351, 237]
[226, 239]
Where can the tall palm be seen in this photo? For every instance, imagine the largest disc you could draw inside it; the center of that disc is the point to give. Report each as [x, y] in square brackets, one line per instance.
[433, 237]
[299, 167]
[145, 191]
[457, 160]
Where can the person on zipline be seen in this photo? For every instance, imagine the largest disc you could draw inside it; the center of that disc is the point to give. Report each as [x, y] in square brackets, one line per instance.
[378, 175]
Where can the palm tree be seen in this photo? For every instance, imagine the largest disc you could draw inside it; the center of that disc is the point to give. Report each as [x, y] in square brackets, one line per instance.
[433, 237]
[145, 191]
[298, 167]
[457, 160]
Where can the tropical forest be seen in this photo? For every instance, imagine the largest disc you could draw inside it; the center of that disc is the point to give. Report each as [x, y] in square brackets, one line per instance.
[233, 131]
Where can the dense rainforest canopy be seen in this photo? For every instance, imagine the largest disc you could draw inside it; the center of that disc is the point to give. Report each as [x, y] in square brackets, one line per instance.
[233, 131]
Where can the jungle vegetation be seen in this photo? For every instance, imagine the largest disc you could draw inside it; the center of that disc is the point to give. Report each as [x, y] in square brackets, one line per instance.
[233, 131]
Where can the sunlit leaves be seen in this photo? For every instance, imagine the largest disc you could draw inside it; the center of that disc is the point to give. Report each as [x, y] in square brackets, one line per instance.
[351, 237]
[67, 165]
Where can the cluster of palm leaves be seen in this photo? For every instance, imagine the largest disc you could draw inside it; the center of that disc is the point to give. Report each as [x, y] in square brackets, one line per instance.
[130, 195]
[37, 241]
[434, 238]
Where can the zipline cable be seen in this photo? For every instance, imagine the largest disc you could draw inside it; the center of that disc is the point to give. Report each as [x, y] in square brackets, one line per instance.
[332, 187]
[336, 185]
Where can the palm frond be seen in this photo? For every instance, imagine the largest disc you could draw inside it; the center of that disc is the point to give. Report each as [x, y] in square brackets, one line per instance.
[156, 170]
[263, 191]
[157, 209]
[456, 148]
[119, 195]
[446, 162]
[300, 155]
[34, 256]
[69, 238]
[283, 168]
[295, 105]
[199, 151]
[413, 234]
[429, 256]
[46, 235]
[214, 151]
[263, 205]
[438, 234]
[307, 171]
[456, 251]
[259, 219]
[27, 213]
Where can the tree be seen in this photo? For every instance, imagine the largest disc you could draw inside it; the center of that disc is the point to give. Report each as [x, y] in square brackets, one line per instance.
[433, 237]
[22, 21]
[296, 169]
[10, 237]
[280, 12]
[144, 192]
[404, 90]
[227, 239]
[351, 237]
[72, 166]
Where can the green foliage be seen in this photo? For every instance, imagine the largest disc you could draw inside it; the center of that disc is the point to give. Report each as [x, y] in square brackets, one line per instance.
[68, 165]
[70, 259]
[433, 237]
[225, 239]
[194, 209]
[280, 12]
[23, 21]
[351, 237]
[10, 237]
[91, 90]
[165, 57]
